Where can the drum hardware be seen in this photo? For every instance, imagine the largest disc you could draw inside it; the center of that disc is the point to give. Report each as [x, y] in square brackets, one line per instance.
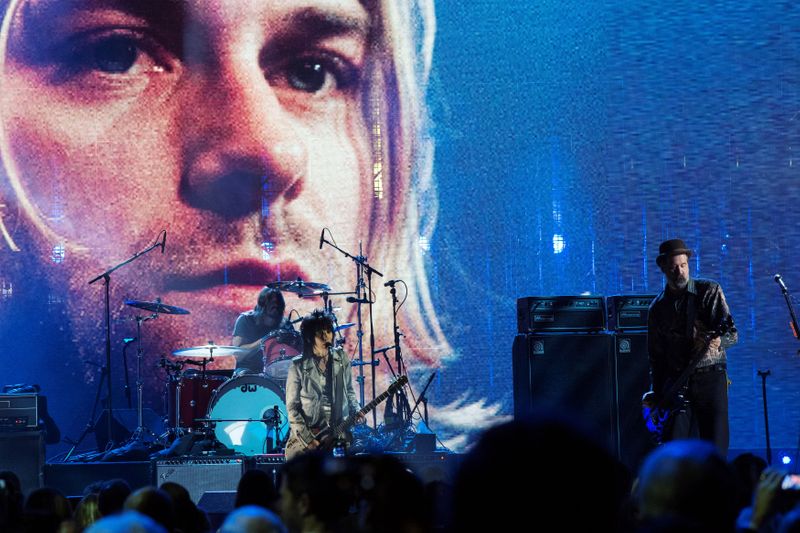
[346, 325]
[157, 307]
[304, 289]
[142, 433]
[161, 241]
[209, 351]
[363, 290]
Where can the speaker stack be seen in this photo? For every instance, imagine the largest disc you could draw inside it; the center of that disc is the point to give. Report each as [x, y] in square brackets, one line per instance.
[586, 356]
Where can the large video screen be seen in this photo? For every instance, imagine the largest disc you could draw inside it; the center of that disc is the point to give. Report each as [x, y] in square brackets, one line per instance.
[189, 153]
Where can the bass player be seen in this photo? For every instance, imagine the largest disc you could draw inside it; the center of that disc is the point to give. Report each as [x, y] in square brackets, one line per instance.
[683, 333]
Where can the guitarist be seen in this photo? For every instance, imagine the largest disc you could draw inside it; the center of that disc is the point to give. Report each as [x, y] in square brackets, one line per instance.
[319, 386]
[679, 322]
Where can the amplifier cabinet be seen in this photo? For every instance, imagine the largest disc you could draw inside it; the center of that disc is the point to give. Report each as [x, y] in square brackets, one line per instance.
[560, 313]
[201, 474]
[22, 452]
[567, 373]
[629, 311]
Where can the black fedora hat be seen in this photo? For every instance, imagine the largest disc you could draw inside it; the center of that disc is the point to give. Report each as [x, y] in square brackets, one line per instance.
[670, 248]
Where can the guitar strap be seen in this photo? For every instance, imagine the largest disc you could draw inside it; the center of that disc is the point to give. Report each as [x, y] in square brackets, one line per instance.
[336, 390]
[691, 314]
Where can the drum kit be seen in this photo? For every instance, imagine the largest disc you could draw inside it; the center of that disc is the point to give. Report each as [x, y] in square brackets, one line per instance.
[242, 413]
[245, 413]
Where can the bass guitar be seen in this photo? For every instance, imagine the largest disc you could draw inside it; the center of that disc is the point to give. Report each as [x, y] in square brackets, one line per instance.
[658, 411]
[328, 436]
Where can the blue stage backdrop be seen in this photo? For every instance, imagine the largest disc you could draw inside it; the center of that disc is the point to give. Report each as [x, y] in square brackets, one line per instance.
[564, 141]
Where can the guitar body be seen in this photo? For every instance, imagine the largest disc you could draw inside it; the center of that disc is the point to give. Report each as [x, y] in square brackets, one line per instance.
[325, 436]
[658, 414]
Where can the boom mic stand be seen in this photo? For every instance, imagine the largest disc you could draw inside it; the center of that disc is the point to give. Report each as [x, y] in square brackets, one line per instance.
[793, 324]
[363, 296]
[403, 409]
[106, 277]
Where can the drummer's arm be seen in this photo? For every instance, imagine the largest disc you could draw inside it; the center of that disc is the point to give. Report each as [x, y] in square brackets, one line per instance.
[252, 346]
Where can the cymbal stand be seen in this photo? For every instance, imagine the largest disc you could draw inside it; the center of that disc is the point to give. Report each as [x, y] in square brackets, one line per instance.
[173, 377]
[139, 433]
[363, 296]
[106, 277]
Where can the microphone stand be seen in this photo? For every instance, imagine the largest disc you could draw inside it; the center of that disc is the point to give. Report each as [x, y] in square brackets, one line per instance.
[788, 299]
[403, 409]
[106, 277]
[763, 374]
[125, 367]
[361, 267]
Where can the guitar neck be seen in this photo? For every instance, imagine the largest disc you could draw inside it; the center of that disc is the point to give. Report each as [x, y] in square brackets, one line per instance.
[349, 421]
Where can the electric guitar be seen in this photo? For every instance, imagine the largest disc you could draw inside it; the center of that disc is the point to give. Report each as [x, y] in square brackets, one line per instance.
[327, 436]
[658, 411]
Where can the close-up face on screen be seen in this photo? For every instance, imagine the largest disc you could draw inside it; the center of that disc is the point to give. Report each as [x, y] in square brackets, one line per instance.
[240, 129]
[422, 166]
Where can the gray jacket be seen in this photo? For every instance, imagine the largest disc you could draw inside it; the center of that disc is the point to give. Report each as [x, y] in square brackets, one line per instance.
[304, 393]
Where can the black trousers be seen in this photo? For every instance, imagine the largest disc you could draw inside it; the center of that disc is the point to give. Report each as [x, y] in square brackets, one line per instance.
[706, 413]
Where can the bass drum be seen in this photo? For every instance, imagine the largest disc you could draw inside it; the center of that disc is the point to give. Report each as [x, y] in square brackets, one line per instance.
[249, 415]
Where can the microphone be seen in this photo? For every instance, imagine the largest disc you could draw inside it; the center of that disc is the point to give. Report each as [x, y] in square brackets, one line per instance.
[321, 238]
[164, 241]
[384, 349]
[354, 300]
[779, 280]
[391, 282]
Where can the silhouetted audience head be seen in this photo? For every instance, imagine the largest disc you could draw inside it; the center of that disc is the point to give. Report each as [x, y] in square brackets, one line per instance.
[252, 519]
[112, 496]
[747, 468]
[316, 493]
[45, 509]
[127, 522]
[390, 498]
[257, 488]
[544, 468]
[154, 503]
[11, 500]
[87, 512]
[189, 518]
[687, 482]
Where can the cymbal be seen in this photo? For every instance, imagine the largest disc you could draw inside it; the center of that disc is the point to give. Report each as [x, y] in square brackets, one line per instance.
[209, 350]
[300, 287]
[157, 307]
[340, 327]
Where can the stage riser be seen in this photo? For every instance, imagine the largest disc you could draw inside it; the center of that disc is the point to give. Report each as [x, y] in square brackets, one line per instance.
[200, 475]
[72, 478]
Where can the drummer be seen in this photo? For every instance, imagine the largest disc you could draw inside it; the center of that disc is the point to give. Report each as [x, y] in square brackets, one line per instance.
[252, 326]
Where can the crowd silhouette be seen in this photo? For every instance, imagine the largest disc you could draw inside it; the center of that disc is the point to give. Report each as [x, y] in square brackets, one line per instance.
[545, 472]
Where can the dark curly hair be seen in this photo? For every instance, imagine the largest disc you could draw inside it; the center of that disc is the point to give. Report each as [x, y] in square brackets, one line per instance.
[318, 320]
